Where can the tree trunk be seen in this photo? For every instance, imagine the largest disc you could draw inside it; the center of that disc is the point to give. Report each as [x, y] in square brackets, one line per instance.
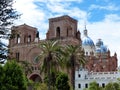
[49, 60]
[48, 75]
[73, 71]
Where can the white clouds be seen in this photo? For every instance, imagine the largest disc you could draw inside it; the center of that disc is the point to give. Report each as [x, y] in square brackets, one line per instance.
[112, 17]
[105, 7]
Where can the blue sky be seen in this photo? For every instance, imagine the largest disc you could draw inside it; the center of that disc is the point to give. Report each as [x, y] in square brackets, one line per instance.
[102, 17]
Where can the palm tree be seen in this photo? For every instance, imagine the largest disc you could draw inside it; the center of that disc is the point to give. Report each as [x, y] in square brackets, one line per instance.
[73, 56]
[49, 57]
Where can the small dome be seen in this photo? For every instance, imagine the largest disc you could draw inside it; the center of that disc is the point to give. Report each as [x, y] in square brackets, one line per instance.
[103, 49]
[100, 47]
[87, 41]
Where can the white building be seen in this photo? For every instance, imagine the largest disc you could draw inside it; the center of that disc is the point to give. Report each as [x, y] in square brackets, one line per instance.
[83, 78]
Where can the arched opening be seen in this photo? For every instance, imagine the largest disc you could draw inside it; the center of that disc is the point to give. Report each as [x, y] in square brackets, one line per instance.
[58, 32]
[35, 78]
[18, 38]
[29, 38]
[37, 35]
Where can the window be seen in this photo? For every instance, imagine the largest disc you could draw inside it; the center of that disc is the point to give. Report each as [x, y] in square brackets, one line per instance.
[29, 38]
[86, 85]
[98, 84]
[58, 32]
[79, 75]
[37, 35]
[79, 85]
[17, 56]
[103, 85]
[18, 38]
[86, 53]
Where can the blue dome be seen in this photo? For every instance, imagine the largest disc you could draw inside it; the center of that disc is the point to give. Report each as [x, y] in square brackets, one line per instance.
[102, 49]
[87, 41]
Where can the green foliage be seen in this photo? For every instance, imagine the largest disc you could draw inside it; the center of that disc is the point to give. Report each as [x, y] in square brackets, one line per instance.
[112, 86]
[13, 77]
[53, 76]
[49, 56]
[2, 75]
[62, 82]
[94, 86]
[39, 86]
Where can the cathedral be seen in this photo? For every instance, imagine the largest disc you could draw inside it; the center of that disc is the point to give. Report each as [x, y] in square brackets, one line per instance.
[24, 42]
[98, 55]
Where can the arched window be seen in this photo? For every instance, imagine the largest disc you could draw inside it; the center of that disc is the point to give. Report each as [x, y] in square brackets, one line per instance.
[18, 38]
[29, 38]
[58, 32]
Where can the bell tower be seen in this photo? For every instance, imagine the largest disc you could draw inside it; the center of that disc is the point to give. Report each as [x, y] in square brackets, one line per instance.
[62, 27]
[22, 39]
[23, 34]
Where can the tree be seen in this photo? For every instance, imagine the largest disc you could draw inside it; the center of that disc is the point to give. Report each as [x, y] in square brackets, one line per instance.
[112, 86]
[62, 82]
[49, 58]
[94, 86]
[14, 78]
[7, 16]
[73, 56]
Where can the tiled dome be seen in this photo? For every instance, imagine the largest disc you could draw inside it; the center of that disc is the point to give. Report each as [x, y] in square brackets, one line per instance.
[87, 41]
